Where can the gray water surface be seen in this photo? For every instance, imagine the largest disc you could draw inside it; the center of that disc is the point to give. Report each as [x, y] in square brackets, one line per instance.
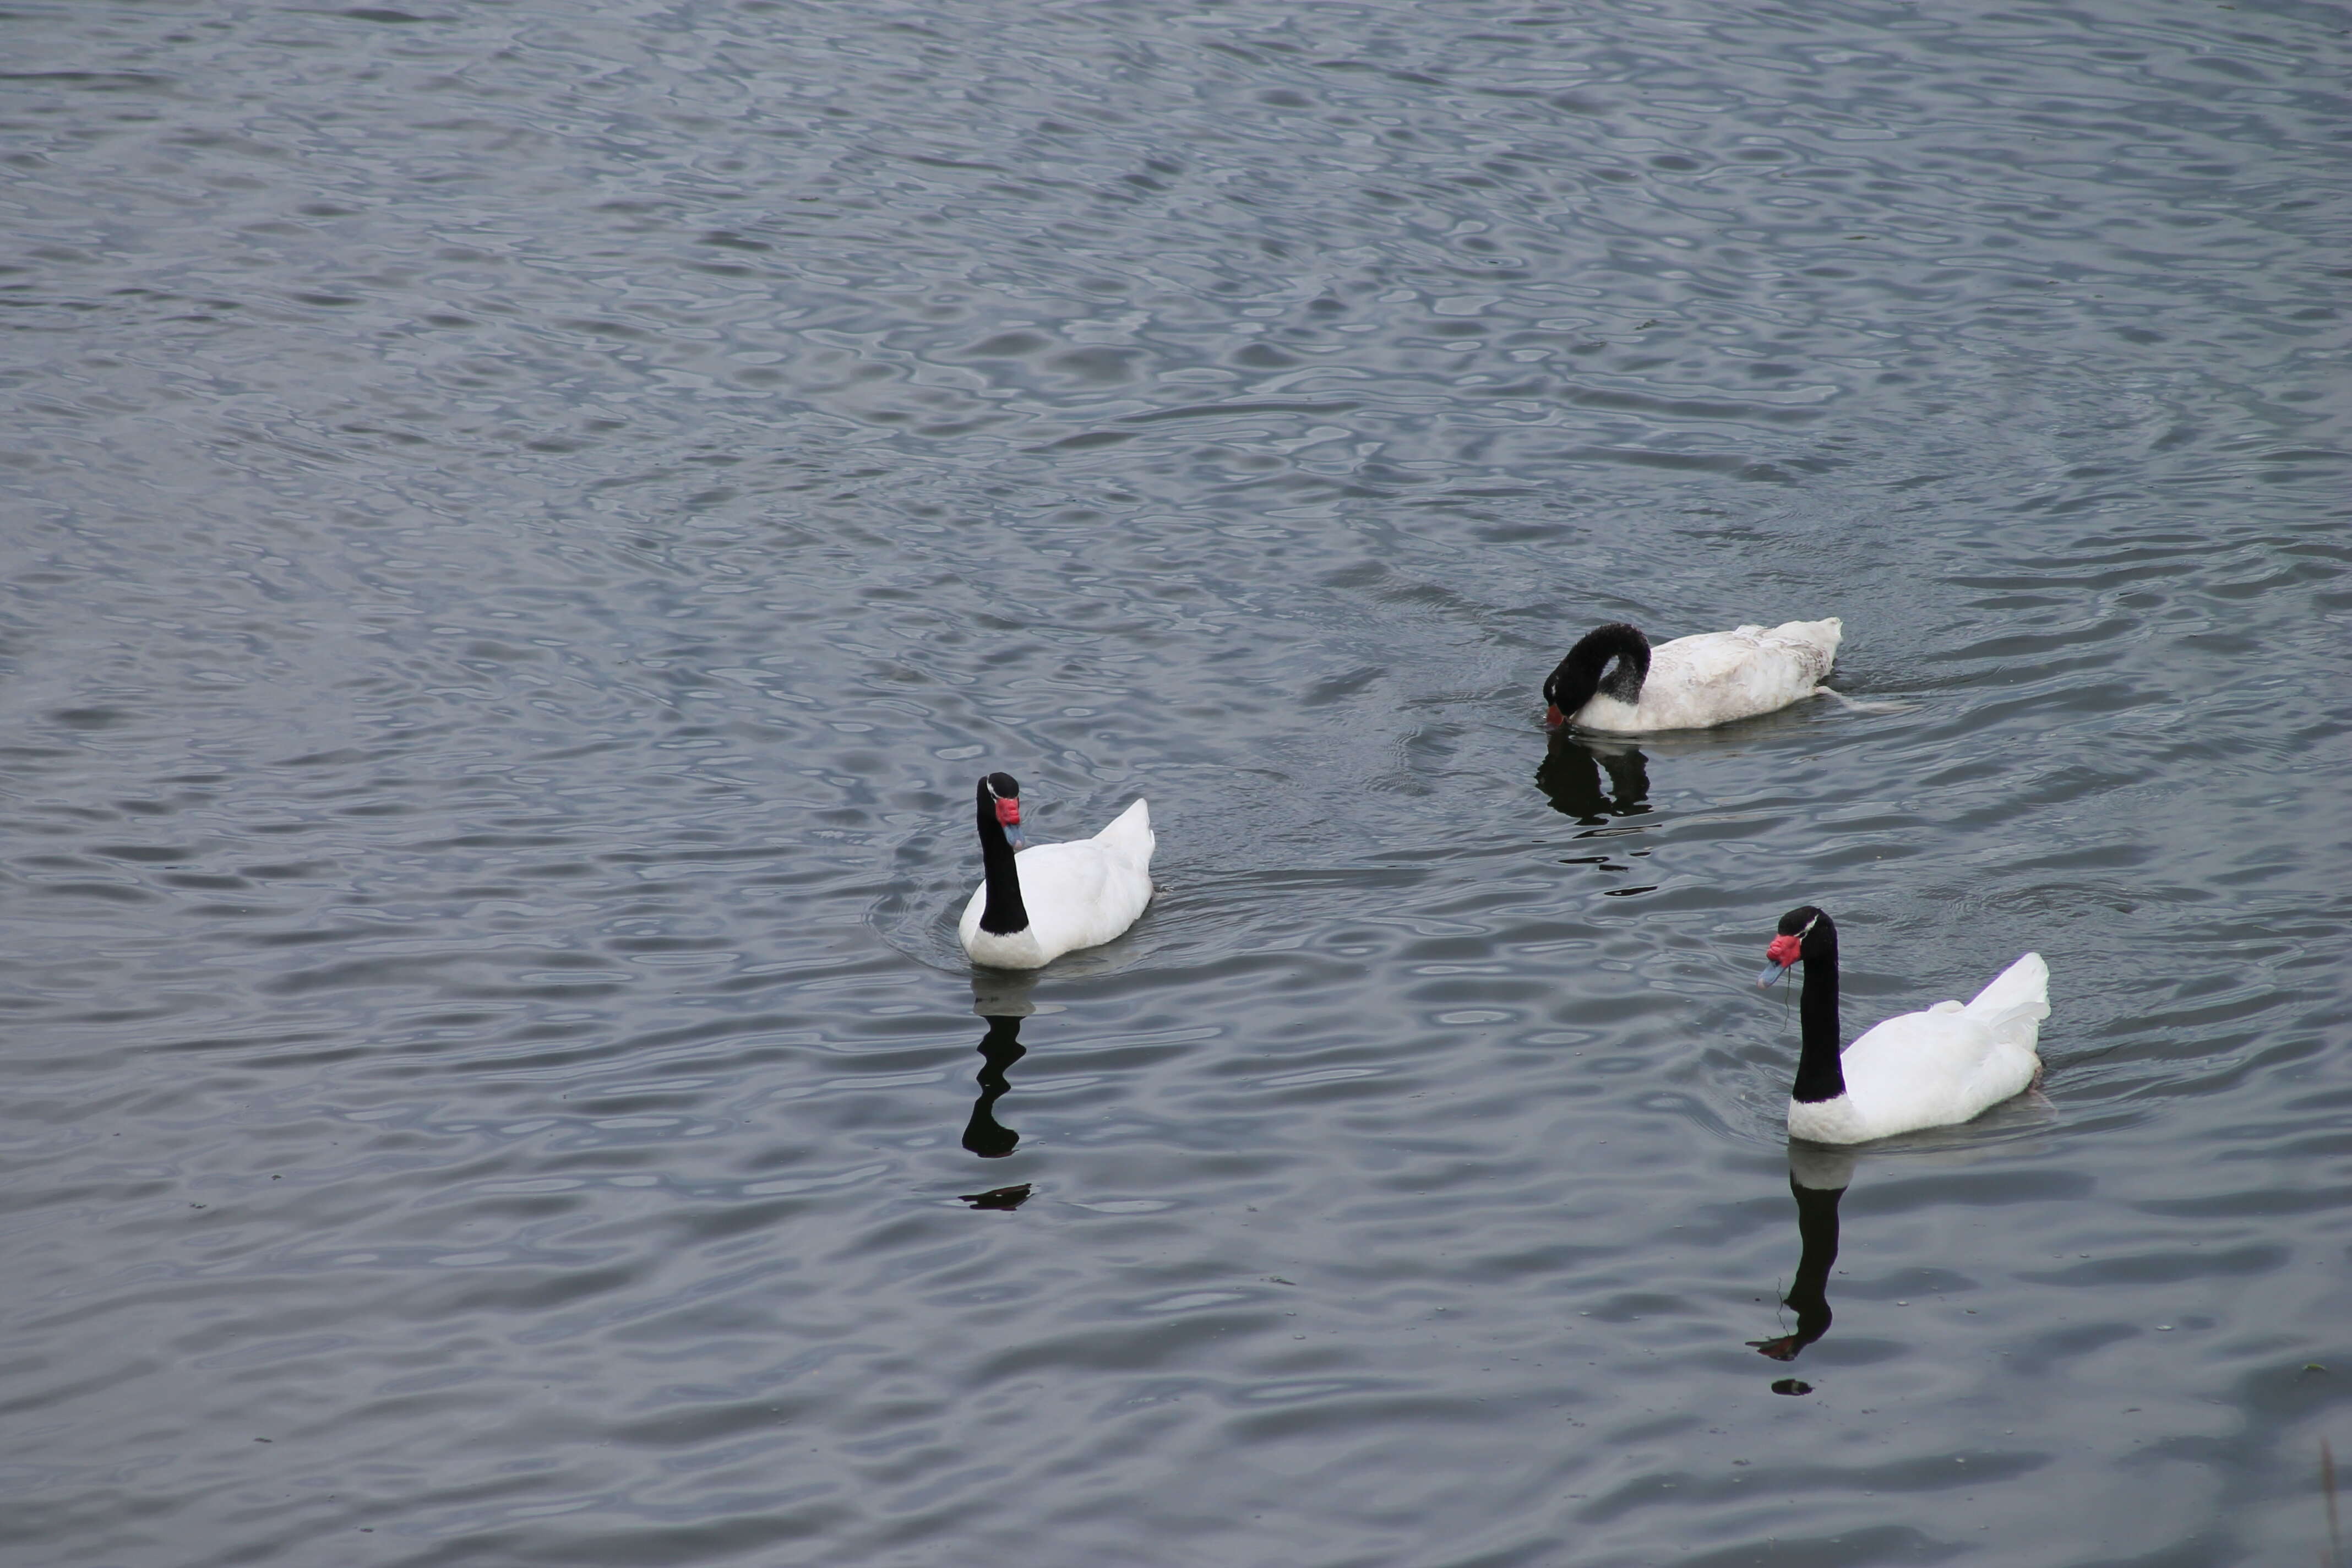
[523, 521]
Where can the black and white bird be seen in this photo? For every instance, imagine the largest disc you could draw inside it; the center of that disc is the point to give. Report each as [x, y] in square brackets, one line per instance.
[1036, 905]
[1933, 1068]
[1613, 679]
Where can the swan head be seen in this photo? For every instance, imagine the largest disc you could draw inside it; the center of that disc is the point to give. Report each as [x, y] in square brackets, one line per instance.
[1003, 792]
[1805, 932]
[1619, 650]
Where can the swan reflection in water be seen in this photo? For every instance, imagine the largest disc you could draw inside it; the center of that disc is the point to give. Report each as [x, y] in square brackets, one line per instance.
[999, 1048]
[1817, 1177]
[1570, 777]
[1004, 1001]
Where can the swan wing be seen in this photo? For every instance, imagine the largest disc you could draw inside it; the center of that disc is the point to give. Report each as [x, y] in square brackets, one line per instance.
[1713, 677]
[1933, 1070]
[1082, 893]
[1812, 644]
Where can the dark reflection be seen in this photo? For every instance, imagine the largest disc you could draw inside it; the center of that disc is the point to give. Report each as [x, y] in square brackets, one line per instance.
[999, 1048]
[1818, 1178]
[1004, 1000]
[1011, 1197]
[1571, 773]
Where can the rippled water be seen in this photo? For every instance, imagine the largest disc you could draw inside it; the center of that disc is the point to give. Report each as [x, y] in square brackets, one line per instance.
[523, 523]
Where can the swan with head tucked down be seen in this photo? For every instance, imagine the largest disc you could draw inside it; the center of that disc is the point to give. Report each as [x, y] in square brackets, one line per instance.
[1918, 1069]
[1033, 907]
[1613, 679]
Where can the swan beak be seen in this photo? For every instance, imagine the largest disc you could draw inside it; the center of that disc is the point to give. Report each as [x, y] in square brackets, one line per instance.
[1008, 817]
[1773, 970]
[1553, 717]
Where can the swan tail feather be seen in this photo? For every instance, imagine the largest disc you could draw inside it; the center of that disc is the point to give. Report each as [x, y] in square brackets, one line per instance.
[1129, 834]
[2016, 1002]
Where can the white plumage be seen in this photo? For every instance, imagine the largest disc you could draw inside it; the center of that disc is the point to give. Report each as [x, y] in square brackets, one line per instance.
[1931, 1068]
[1946, 1065]
[1693, 683]
[1076, 894]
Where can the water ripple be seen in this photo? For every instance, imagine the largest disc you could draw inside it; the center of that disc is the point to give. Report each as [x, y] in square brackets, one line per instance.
[525, 526]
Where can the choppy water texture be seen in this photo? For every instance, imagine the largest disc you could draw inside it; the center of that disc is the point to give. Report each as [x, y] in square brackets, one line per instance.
[524, 520]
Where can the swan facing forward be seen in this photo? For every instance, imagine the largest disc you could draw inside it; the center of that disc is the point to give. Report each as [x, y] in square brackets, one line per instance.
[1918, 1069]
[1031, 908]
[1690, 683]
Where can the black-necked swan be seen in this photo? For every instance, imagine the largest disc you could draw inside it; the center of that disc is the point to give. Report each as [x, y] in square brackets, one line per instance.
[1033, 908]
[1691, 683]
[1919, 1069]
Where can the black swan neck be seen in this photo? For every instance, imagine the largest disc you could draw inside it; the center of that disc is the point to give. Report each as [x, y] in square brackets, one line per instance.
[1005, 913]
[1819, 1074]
[1579, 676]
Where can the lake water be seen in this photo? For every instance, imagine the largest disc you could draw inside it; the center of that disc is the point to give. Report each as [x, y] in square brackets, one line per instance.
[522, 523]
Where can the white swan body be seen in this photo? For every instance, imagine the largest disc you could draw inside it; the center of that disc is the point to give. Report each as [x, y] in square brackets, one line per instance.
[1934, 1068]
[1076, 894]
[1694, 683]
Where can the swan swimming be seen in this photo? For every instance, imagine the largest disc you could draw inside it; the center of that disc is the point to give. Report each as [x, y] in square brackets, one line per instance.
[1691, 683]
[1932, 1068]
[1033, 907]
